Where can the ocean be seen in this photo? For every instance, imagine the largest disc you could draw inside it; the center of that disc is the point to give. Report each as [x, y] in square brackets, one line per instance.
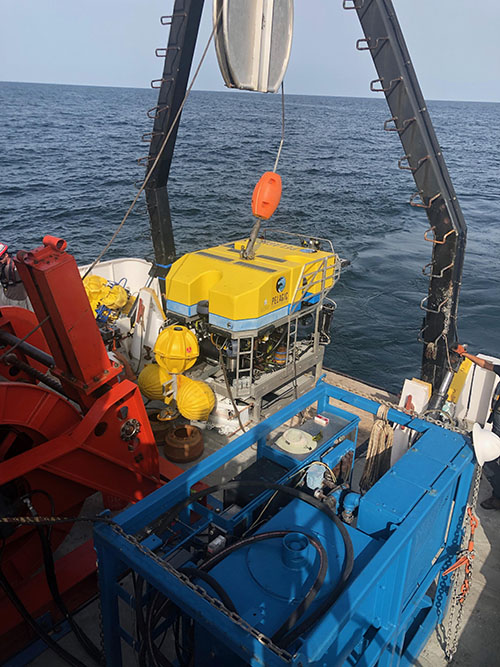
[68, 168]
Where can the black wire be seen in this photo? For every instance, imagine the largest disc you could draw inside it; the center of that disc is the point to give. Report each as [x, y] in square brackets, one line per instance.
[177, 641]
[153, 614]
[190, 633]
[349, 551]
[157, 607]
[311, 594]
[32, 492]
[37, 629]
[138, 583]
[40, 522]
[177, 637]
[50, 575]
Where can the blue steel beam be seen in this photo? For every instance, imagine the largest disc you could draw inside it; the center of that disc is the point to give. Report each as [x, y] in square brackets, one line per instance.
[138, 515]
[371, 599]
[211, 614]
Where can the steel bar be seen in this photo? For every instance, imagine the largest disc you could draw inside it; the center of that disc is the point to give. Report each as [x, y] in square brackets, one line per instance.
[27, 348]
[49, 381]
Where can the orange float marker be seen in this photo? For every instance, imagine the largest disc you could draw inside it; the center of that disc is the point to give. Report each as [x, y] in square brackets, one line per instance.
[266, 195]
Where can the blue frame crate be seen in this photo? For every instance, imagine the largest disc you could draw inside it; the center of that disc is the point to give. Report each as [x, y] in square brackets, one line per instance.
[412, 517]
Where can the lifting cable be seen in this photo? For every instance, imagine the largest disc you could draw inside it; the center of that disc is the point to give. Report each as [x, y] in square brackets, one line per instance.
[282, 126]
[160, 152]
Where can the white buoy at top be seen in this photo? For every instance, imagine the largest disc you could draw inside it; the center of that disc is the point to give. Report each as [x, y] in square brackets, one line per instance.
[253, 41]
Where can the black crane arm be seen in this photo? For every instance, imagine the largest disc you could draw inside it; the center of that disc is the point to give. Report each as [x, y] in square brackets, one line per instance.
[424, 159]
[178, 56]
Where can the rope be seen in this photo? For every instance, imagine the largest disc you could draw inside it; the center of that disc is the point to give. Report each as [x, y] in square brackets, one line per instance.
[282, 126]
[160, 152]
[378, 456]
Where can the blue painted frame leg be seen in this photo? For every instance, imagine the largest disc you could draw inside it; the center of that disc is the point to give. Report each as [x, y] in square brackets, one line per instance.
[109, 570]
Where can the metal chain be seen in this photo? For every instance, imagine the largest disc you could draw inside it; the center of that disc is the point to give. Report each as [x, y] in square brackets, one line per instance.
[456, 611]
[99, 617]
[131, 539]
[236, 618]
[454, 620]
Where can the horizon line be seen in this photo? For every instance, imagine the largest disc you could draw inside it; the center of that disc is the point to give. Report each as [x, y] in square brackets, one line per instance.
[231, 91]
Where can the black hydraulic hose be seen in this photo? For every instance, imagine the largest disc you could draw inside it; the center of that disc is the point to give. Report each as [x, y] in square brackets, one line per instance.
[158, 605]
[154, 654]
[295, 493]
[50, 575]
[312, 592]
[138, 583]
[37, 629]
[308, 622]
[50, 381]
[212, 582]
[28, 349]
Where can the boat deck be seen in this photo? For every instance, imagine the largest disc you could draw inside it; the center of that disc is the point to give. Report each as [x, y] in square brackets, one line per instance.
[479, 643]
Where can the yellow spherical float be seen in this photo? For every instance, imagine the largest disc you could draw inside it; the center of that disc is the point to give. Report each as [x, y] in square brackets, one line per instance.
[176, 349]
[151, 382]
[195, 399]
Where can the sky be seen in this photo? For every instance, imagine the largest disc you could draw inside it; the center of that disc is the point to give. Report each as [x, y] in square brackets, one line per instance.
[453, 43]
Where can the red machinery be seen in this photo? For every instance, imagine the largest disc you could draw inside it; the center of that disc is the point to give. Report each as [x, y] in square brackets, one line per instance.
[86, 431]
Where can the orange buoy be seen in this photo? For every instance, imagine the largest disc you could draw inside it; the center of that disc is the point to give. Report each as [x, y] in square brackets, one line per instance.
[266, 195]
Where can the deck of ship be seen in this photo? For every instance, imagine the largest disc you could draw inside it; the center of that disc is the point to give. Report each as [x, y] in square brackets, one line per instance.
[478, 641]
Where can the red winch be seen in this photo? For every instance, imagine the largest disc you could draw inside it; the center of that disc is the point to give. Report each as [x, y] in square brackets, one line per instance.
[69, 426]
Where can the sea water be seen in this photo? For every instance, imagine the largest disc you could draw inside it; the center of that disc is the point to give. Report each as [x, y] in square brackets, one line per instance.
[68, 167]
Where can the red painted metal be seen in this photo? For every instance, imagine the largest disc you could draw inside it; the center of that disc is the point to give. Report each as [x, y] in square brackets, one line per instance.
[56, 292]
[20, 321]
[100, 441]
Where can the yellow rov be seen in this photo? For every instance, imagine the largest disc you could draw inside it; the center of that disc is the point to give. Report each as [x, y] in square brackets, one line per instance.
[261, 322]
[240, 295]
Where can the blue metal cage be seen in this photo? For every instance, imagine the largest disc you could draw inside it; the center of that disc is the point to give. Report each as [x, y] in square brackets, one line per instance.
[408, 529]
